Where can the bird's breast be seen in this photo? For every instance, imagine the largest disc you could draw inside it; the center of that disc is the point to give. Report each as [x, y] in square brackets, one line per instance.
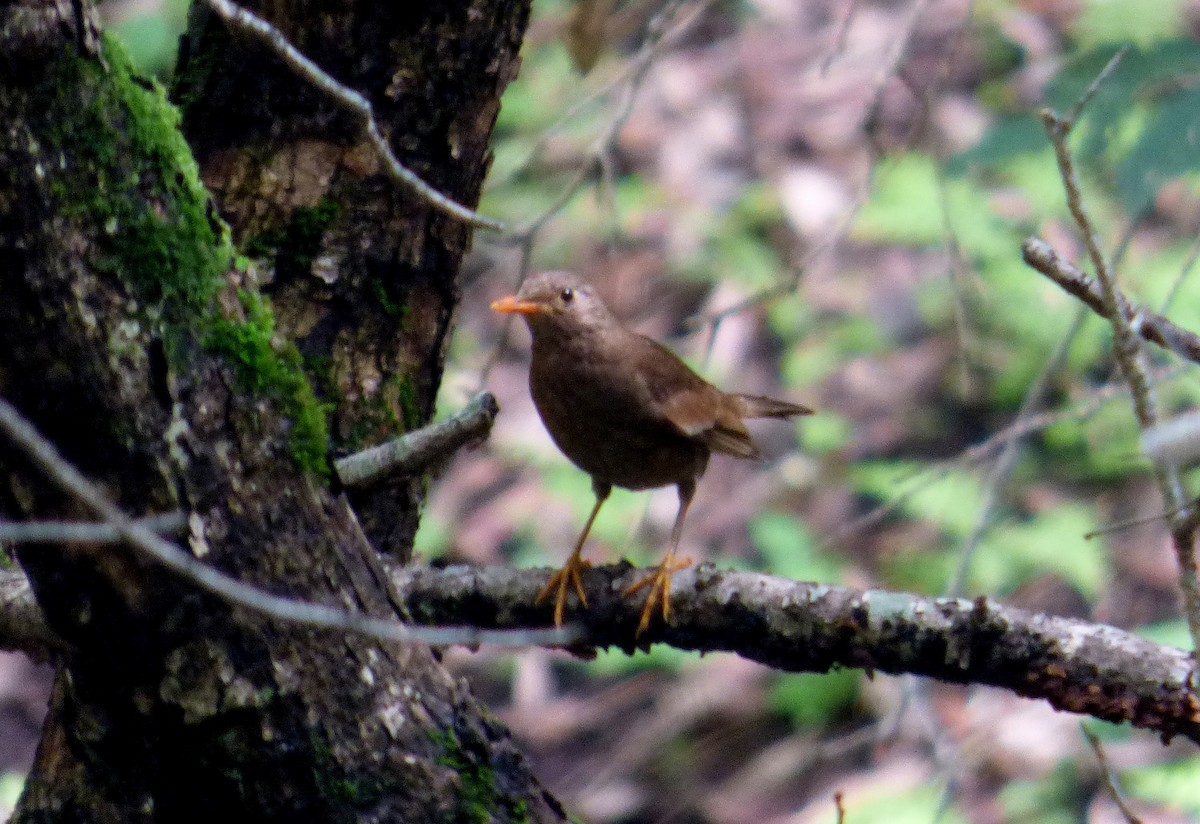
[605, 422]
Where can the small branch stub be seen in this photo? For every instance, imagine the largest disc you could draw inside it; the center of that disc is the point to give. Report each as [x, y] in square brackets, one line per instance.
[412, 453]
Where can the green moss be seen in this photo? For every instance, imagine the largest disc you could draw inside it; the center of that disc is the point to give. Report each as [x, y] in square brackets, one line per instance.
[132, 176]
[394, 410]
[478, 799]
[319, 369]
[304, 234]
[337, 786]
[271, 369]
[294, 247]
[132, 181]
[410, 402]
[390, 305]
[476, 781]
[263, 244]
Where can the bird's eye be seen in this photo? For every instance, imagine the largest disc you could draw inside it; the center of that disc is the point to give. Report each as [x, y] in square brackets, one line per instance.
[567, 295]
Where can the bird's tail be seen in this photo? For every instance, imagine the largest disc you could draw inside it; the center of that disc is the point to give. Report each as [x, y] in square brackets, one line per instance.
[756, 406]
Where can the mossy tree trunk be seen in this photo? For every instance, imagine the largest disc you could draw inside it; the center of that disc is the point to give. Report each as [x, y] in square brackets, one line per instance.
[183, 368]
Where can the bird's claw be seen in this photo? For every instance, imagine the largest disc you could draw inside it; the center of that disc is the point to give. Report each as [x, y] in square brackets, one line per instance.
[569, 576]
[659, 583]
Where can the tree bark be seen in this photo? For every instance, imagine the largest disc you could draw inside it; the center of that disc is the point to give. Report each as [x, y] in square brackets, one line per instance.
[179, 374]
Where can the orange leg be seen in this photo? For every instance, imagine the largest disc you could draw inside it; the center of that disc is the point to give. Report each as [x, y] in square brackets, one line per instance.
[569, 575]
[659, 581]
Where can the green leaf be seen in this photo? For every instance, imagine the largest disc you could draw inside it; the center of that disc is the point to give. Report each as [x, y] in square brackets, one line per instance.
[949, 501]
[11, 786]
[433, 538]
[826, 432]
[1009, 137]
[614, 662]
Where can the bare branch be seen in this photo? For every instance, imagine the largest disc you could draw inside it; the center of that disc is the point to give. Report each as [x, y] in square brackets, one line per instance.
[1127, 350]
[264, 31]
[411, 453]
[21, 532]
[44, 455]
[804, 627]
[1146, 322]
[1110, 778]
[1075, 665]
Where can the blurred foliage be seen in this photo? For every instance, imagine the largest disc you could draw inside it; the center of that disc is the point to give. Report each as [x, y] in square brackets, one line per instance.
[11, 785]
[1056, 798]
[150, 31]
[814, 700]
[1138, 132]
[1174, 633]
[919, 804]
[1174, 785]
[788, 549]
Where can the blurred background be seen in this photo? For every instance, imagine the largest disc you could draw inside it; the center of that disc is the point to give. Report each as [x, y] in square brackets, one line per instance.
[824, 200]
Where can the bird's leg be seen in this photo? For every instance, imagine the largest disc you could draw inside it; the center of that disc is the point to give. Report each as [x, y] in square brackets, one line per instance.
[569, 575]
[659, 581]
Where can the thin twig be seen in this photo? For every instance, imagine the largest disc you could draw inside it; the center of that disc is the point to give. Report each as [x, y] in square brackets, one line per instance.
[22, 434]
[659, 34]
[1002, 469]
[1127, 349]
[1020, 428]
[21, 532]
[891, 68]
[1146, 322]
[412, 453]
[839, 37]
[1110, 778]
[353, 101]
[1184, 271]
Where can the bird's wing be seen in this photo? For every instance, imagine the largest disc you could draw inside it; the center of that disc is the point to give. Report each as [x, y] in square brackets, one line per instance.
[688, 402]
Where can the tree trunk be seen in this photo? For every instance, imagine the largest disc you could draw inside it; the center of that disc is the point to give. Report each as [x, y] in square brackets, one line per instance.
[179, 372]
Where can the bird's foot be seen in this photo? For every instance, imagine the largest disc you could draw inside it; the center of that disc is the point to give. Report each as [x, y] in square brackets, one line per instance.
[560, 581]
[659, 583]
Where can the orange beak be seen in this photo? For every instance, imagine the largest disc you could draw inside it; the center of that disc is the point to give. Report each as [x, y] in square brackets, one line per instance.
[511, 306]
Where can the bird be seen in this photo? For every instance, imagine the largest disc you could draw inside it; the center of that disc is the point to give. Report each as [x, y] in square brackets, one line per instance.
[628, 412]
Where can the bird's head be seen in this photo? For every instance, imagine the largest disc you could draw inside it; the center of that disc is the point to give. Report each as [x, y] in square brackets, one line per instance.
[557, 301]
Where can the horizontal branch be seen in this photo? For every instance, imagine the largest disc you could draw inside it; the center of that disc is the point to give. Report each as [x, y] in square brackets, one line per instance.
[1075, 665]
[1146, 322]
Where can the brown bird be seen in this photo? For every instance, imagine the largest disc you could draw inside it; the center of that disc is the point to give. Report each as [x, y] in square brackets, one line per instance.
[626, 411]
